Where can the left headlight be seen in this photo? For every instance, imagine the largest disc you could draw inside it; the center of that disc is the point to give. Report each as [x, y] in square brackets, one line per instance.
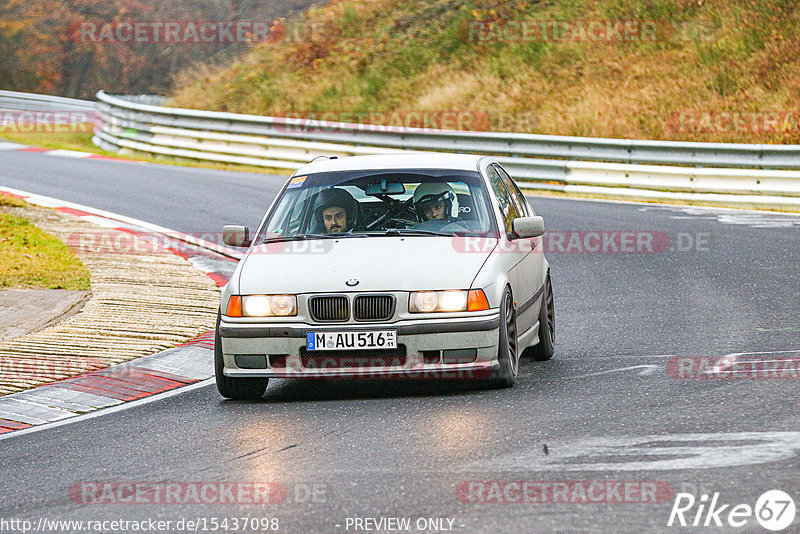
[264, 306]
[437, 301]
[447, 301]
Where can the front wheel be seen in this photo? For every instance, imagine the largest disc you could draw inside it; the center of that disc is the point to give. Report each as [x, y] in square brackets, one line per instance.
[234, 388]
[507, 353]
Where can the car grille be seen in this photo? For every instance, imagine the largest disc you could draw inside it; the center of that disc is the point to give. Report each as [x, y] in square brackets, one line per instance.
[373, 307]
[329, 309]
[337, 359]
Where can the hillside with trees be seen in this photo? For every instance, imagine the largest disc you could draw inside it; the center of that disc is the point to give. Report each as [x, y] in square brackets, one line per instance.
[698, 70]
[42, 49]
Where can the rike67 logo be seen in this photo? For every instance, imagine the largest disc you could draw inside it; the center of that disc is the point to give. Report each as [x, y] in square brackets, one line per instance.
[774, 510]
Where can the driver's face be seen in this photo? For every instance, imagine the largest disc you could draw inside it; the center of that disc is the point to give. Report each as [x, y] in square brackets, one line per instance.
[335, 219]
[434, 210]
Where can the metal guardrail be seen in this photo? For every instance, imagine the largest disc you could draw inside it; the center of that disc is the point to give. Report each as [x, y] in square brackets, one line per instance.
[764, 176]
[17, 101]
[512, 145]
[710, 173]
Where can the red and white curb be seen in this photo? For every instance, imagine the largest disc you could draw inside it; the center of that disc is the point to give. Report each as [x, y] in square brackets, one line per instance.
[62, 153]
[112, 386]
[131, 381]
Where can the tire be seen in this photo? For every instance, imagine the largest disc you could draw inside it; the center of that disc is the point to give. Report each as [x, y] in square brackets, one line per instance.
[546, 347]
[235, 388]
[507, 349]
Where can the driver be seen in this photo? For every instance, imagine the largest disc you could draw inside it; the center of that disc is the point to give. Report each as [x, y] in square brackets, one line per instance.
[436, 201]
[337, 210]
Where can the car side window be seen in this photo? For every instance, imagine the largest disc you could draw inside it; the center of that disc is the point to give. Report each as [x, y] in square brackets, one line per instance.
[297, 213]
[516, 195]
[507, 206]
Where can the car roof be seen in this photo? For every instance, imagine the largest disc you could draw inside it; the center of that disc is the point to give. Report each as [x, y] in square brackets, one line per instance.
[411, 160]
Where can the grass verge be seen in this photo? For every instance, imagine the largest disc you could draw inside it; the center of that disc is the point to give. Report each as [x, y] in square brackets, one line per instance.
[32, 258]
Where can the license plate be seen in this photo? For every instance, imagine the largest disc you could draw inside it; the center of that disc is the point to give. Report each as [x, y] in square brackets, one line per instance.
[376, 339]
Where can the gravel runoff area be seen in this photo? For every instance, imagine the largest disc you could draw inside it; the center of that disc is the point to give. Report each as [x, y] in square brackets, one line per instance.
[144, 299]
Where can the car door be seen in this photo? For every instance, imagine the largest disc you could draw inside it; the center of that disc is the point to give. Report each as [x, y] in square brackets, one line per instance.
[527, 274]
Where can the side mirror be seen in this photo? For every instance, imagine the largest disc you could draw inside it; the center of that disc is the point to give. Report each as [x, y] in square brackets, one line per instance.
[235, 235]
[528, 226]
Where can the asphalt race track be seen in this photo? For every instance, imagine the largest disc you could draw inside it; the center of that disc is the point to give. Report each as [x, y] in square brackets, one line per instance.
[612, 411]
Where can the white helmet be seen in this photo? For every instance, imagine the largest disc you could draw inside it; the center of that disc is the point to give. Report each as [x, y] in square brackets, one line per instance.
[436, 192]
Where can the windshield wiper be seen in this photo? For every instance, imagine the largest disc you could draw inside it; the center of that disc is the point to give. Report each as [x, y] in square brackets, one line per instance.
[408, 231]
[301, 237]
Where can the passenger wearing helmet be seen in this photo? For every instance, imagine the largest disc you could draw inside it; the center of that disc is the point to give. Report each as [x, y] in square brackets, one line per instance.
[336, 210]
[436, 201]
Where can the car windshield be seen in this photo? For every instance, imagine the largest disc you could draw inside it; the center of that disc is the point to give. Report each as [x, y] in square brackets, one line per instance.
[379, 203]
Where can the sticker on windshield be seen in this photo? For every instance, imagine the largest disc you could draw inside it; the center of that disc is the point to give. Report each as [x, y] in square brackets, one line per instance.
[297, 181]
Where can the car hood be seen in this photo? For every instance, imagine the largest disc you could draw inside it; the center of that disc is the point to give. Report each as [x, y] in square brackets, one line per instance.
[378, 263]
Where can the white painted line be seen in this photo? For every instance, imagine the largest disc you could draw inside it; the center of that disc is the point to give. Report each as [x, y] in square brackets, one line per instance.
[658, 452]
[49, 202]
[620, 356]
[101, 221]
[107, 411]
[110, 223]
[68, 153]
[651, 369]
[794, 351]
[43, 202]
[7, 145]
[647, 370]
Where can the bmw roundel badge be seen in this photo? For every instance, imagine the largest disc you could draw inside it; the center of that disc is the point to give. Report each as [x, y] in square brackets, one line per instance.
[352, 282]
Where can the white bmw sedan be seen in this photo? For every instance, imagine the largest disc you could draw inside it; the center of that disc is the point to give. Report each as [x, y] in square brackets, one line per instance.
[396, 266]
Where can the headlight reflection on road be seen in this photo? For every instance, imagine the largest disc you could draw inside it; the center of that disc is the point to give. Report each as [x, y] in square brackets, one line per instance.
[256, 446]
[456, 433]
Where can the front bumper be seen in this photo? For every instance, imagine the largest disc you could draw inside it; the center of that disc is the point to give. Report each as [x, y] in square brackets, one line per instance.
[419, 341]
